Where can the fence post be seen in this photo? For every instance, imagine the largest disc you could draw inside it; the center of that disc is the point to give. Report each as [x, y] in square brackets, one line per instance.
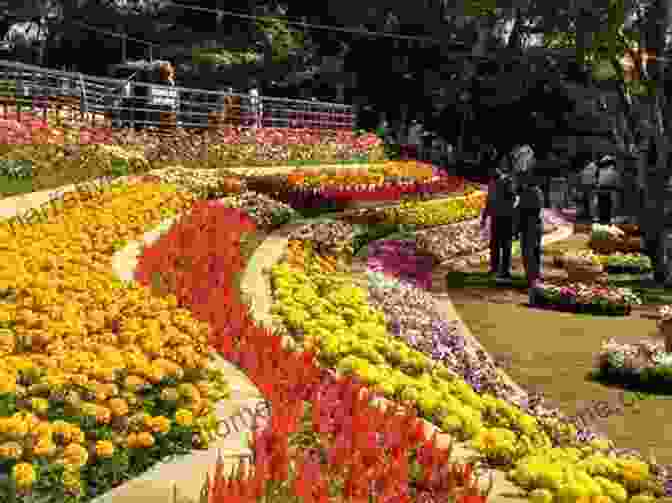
[83, 106]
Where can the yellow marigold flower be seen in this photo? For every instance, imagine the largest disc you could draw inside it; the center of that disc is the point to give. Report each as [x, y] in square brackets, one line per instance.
[184, 417]
[147, 419]
[104, 449]
[188, 391]
[39, 405]
[118, 406]
[103, 415]
[11, 450]
[5, 424]
[155, 375]
[75, 455]
[132, 382]
[199, 407]
[60, 427]
[23, 475]
[44, 447]
[160, 424]
[70, 478]
[19, 428]
[79, 380]
[7, 384]
[44, 430]
[145, 439]
[486, 440]
[132, 440]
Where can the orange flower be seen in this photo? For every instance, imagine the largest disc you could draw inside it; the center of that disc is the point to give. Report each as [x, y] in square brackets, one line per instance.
[145, 439]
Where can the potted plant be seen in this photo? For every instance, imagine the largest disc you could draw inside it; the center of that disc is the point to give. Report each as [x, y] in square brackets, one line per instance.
[628, 263]
[665, 326]
[582, 266]
[606, 239]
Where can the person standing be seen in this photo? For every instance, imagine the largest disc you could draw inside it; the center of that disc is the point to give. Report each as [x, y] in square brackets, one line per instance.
[500, 207]
[604, 195]
[414, 139]
[255, 105]
[530, 222]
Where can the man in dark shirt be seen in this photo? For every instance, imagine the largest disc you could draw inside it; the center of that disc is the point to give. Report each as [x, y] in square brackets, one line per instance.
[530, 222]
[500, 208]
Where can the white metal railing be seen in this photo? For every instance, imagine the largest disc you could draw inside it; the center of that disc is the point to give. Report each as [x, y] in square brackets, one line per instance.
[140, 104]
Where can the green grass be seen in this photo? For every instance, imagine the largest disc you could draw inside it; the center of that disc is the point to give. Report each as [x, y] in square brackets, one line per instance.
[11, 185]
[650, 294]
[554, 352]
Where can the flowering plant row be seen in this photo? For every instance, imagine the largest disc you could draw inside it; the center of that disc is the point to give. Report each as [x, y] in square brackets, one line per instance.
[325, 197]
[325, 437]
[440, 212]
[581, 258]
[626, 263]
[30, 130]
[645, 364]
[375, 174]
[328, 313]
[98, 380]
[399, 259]
[578, 297]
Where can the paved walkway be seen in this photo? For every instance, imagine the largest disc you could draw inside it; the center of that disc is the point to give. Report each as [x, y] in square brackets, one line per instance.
[237, 412]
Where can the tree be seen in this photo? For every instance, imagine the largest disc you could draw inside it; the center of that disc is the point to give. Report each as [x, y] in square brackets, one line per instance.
[602, 39]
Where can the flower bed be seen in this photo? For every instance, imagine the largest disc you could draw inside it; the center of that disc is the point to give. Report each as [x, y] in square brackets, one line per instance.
[400, 259]
[344, 196]
[433, 213]
[323, 435]
[615, 263]
[375, 174]
[100, 380]
[76, 151]
[645, 364]
[626, 263]
[330, 314]
[610, 239]
[448, 242]
[463, 239]
[582, 298]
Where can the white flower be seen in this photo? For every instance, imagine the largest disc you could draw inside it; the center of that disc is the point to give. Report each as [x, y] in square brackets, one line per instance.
[665, 313]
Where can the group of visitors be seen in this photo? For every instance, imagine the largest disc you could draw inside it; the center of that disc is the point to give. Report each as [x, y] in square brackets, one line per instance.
[416, 142]
[514, 207]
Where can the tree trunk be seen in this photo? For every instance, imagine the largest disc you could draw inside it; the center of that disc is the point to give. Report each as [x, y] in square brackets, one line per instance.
[516, 36]
[483, 27]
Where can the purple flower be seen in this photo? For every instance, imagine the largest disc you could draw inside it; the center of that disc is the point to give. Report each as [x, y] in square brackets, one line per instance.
[668, 487]
[395, 327]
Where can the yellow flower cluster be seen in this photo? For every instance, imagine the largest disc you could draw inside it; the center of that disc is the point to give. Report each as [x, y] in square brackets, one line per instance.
[436, 212]
[70, 341]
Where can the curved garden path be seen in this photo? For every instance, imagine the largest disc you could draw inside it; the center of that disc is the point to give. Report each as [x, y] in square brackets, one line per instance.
[553, 352]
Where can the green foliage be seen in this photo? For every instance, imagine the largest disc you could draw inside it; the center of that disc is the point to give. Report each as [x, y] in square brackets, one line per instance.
[284, 40]
[477, 8]
[223, 57]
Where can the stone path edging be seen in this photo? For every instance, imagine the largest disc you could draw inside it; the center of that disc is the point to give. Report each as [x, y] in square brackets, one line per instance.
[256, 284]
[188, 473]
